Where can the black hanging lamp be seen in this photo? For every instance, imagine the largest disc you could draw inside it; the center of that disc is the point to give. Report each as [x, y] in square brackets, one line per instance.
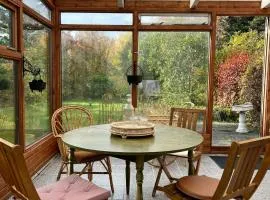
[134, 78]
[35, 84]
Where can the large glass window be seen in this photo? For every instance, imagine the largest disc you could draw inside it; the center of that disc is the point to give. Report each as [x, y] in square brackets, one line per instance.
[37, 104]
[97, 18]
[39, 7]
[175, 67]
[175, 19]
[238, 79]
[94, 64]
[7, 100]
[5, 27]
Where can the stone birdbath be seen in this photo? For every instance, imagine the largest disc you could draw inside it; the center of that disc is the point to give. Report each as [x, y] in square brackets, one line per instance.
[242, 109]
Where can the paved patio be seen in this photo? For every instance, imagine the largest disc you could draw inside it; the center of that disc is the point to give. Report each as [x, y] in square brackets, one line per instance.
[225, 133]
[179, 168]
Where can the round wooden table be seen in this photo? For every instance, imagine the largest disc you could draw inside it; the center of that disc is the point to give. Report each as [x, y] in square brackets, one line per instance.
[167, 139]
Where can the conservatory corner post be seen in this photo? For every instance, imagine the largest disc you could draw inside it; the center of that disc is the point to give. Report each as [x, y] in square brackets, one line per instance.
[266, 81]
[211, 77]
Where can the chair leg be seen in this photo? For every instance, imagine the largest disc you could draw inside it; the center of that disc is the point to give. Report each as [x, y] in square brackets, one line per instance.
[157, 182]
[108, 162]
[127, 176]
[198, 166]
[89, 170]
[63, 165]
[167, 173]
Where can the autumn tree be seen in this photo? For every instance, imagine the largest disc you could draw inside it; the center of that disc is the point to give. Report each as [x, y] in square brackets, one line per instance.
[229, 78]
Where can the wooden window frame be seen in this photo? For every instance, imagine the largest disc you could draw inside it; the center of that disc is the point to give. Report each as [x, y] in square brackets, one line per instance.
[49, 83]
[6, 51]
[50, 24]
[31, 12]
[266, 85]
[15, 54]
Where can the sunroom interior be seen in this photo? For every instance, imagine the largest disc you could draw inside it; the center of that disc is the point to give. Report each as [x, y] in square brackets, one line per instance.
[211, 55]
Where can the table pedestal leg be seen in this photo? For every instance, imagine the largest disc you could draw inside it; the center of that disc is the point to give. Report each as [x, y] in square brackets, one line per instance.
[191, 168]
[127, 176]
[139, 177]
[71, 159]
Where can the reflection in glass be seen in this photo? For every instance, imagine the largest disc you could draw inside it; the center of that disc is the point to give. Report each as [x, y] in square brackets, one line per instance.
[7, 100]
[36, 42]
[175, 19]
[39, 7]
[96, 18]
[94, 64]
[5, 26]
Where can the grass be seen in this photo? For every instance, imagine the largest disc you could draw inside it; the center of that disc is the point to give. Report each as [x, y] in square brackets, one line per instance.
[38, 122]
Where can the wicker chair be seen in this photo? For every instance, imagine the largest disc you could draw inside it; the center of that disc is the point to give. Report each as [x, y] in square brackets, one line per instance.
[239, 180]
[15, 174]
[68, 118]
[184, 118]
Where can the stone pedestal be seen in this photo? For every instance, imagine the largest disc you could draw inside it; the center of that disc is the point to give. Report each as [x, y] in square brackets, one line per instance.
[242, 127]
[242, 109]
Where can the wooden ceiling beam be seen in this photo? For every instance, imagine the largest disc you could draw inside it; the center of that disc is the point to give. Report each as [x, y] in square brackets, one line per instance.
[193, 3]
[121, 3]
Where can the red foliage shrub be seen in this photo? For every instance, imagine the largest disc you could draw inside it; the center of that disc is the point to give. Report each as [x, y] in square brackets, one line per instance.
[229, 78]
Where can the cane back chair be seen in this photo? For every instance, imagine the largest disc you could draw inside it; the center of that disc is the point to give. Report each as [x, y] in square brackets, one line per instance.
[72, 117]
[14, 172]
[239, 179]
[184, 118]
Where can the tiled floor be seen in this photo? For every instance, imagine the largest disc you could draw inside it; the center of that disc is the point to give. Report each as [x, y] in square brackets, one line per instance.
[209, 167]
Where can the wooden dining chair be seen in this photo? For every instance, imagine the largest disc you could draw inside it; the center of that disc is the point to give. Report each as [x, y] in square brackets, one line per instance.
[184, 118]
[15, 174]
[66, 119]
[239, 179]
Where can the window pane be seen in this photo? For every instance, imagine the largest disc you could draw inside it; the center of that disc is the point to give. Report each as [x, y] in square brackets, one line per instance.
[36, 41]
[94, 64]
[238, 79]
[175, 66]
[174, 19]
[7, 100]
[97, 18]
[39, 7]
[5, 26]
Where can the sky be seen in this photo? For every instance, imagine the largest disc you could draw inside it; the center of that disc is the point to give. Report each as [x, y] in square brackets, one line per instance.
[97, 18]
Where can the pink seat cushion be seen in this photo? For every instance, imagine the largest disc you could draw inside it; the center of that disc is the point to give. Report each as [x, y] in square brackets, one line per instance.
[71, 188]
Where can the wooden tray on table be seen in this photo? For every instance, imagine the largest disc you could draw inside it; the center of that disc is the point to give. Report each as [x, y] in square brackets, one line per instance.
[127, 129]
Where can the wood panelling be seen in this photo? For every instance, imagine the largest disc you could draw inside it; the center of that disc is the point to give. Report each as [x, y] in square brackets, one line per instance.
[207, 143]
[36, 156]
[221, 7]
[220, 150]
